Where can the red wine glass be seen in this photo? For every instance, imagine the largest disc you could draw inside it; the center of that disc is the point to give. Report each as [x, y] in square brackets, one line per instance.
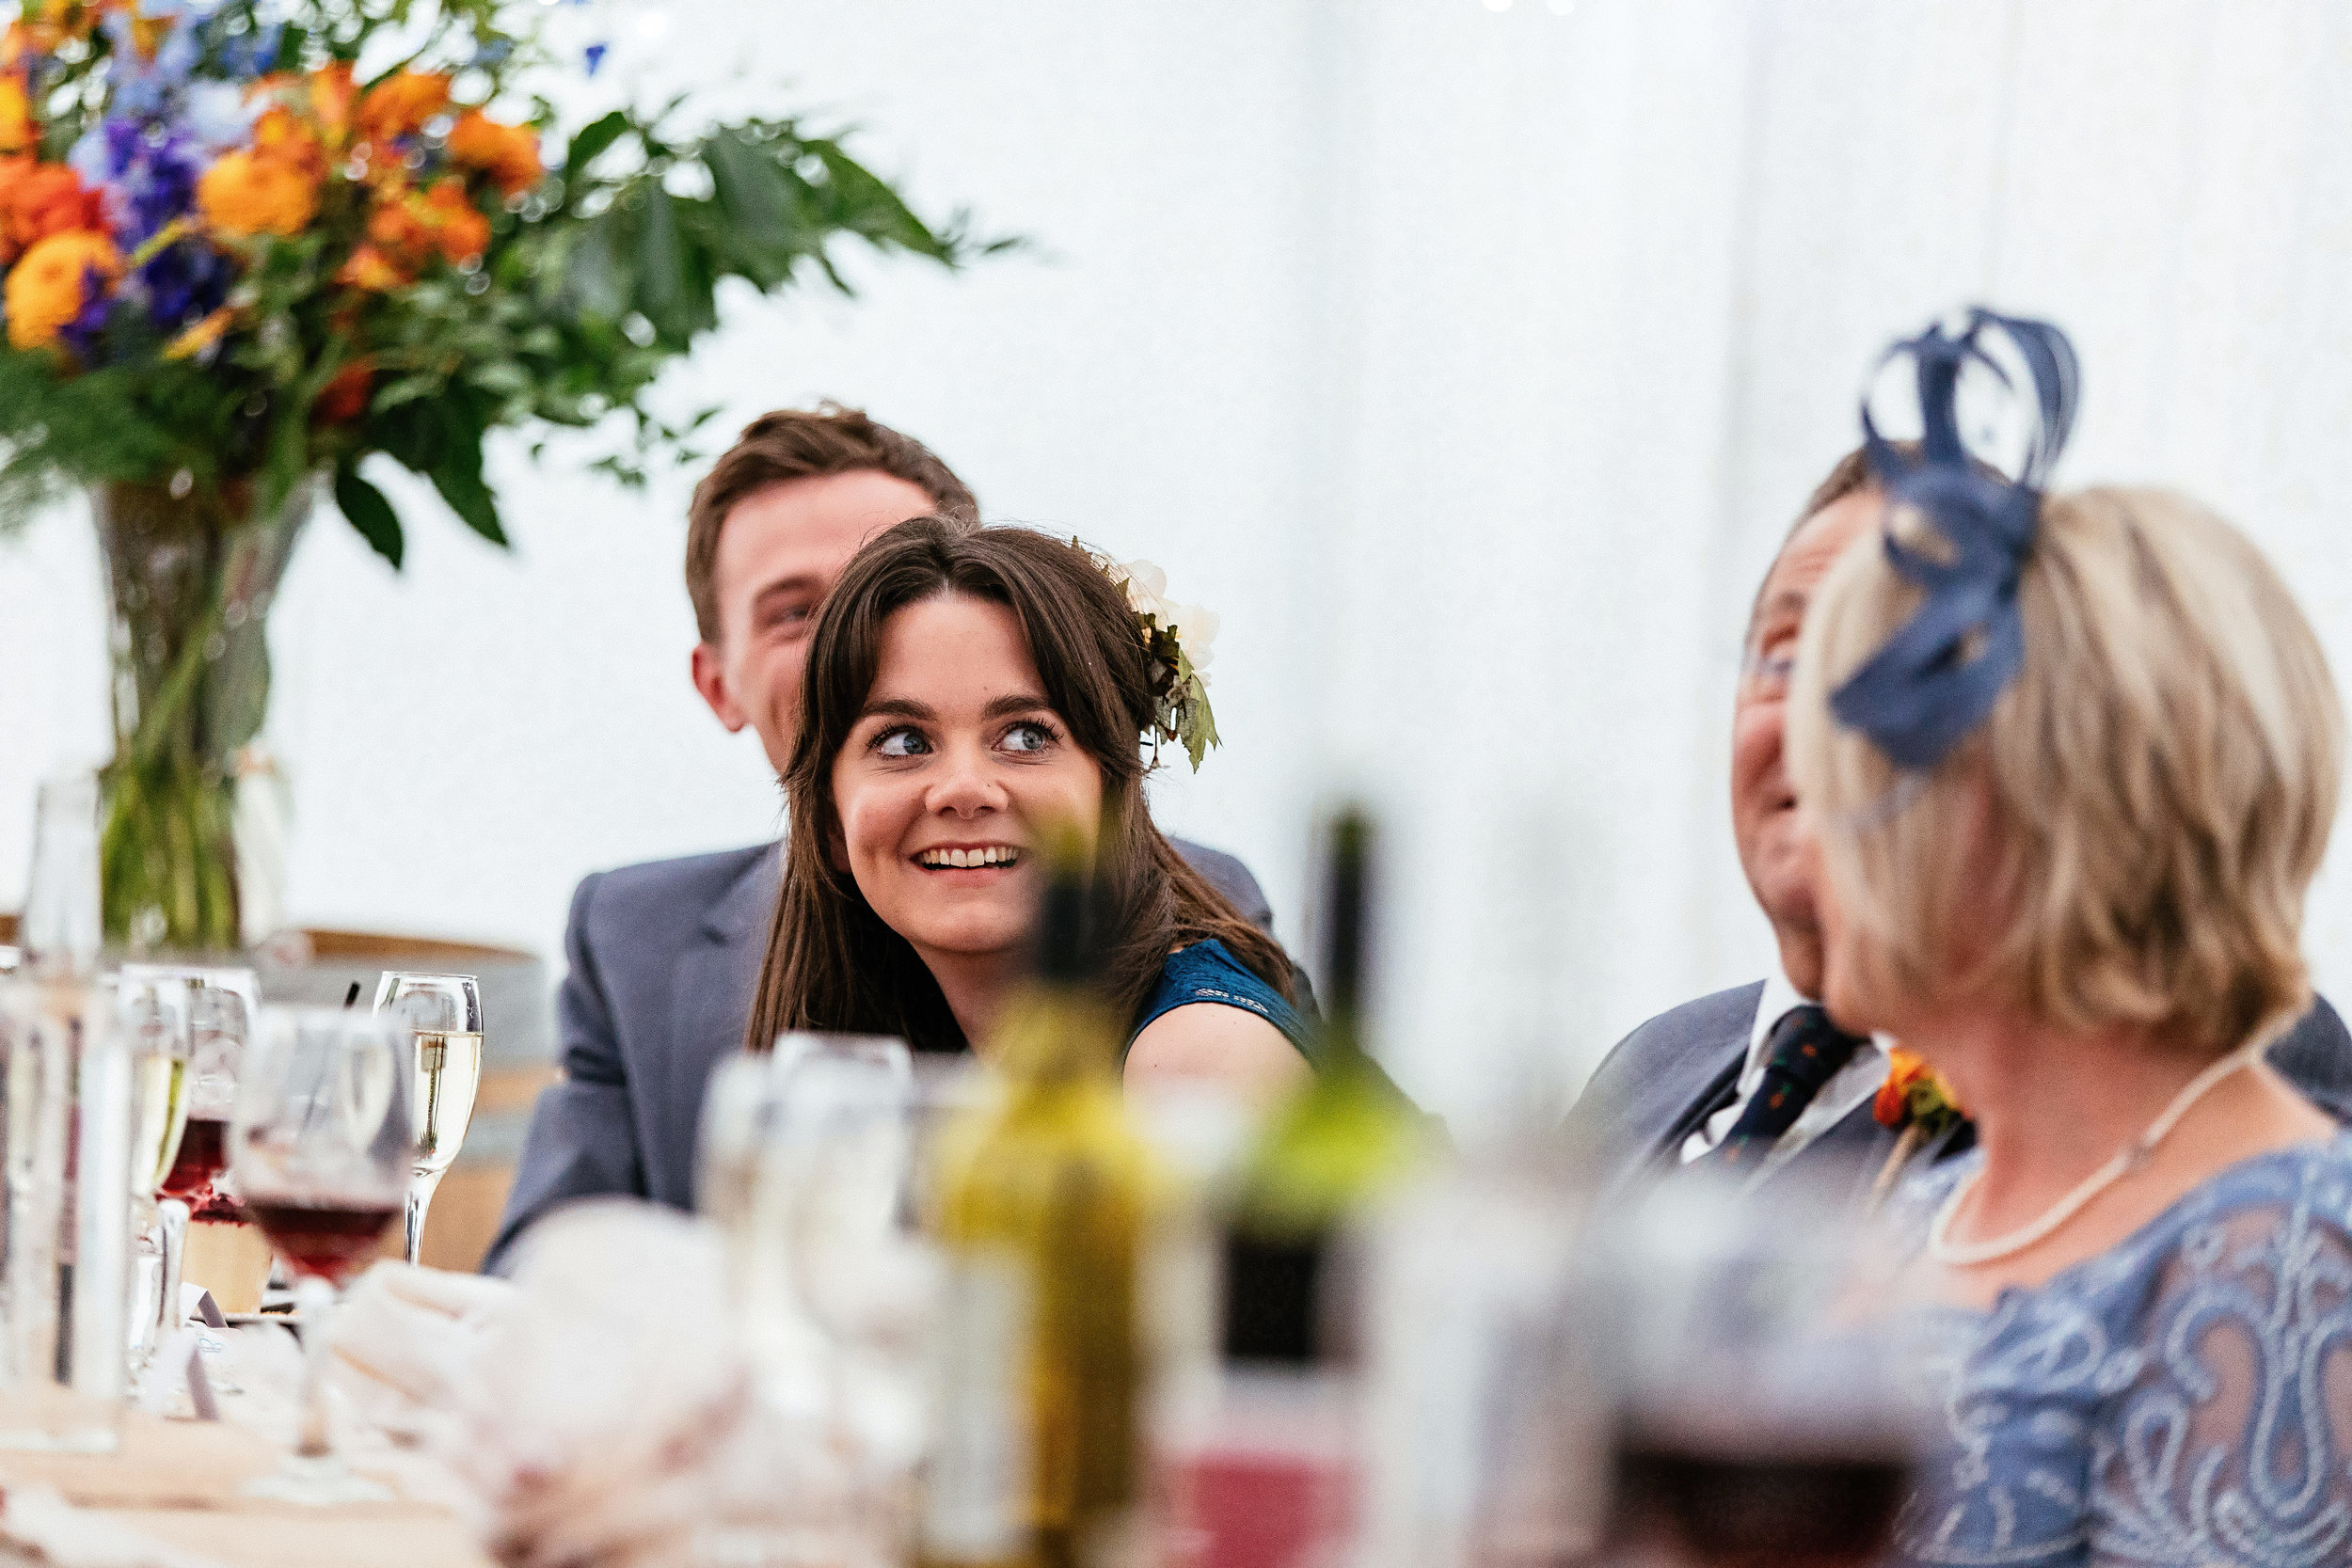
[320, 1147]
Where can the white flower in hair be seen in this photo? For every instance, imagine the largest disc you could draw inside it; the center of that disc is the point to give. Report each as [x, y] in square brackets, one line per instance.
[1179, 636]
[1195, 626]
[1146, 586]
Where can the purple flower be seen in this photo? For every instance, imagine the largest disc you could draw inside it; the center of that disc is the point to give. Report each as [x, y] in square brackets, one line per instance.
[82, 334]
[148, 173]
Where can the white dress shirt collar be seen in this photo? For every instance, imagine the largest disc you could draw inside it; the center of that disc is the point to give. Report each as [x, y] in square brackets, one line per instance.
[1856, 1081]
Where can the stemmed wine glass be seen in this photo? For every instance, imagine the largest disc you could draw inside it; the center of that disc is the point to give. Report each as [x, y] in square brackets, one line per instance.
[221, 1007]
[155, 1017]
[444, 1014]
[839, 1197]
[321, 1149]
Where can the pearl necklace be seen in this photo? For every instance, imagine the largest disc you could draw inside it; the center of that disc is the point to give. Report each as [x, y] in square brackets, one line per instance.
[2128, 1159]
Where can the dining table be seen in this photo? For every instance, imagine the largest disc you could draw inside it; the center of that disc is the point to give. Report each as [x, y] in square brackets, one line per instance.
[178, 1483]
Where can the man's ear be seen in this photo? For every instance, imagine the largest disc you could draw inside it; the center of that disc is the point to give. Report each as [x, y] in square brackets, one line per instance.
[710, 679]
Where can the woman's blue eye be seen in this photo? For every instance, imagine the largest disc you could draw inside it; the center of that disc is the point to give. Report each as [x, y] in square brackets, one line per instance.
[1028, 738]
[901, 743]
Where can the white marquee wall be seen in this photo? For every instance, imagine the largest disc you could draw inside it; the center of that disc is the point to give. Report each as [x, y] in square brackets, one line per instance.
[1470, 361]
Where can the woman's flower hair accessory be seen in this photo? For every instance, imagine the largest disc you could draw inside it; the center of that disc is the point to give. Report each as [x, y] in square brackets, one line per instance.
[1179, 638]
[1939, 674]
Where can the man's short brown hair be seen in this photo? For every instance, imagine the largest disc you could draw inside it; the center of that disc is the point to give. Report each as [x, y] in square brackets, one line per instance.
[1853, 473]
[800, 443]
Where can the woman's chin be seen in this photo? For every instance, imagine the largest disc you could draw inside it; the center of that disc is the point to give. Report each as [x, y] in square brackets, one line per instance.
[971, 933]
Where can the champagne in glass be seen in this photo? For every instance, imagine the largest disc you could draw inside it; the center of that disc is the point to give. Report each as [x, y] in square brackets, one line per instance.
[443, 1012]
[323, 1145]
[155, 1016]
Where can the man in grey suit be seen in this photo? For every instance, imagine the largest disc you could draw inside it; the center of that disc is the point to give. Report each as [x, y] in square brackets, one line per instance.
[663, 957]
[1685, 1087]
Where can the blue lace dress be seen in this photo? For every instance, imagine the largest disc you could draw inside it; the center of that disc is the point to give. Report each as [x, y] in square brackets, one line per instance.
[2183, 1399]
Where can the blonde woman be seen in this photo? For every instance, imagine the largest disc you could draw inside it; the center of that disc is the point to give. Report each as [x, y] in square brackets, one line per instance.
[2069, 765]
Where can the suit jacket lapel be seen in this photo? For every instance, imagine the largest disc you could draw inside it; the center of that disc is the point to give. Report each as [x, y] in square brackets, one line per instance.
[1717, 1094]
[710, 1001]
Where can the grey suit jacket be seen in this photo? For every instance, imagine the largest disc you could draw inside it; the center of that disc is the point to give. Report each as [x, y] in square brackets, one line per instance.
[1657, 1086]
[664, 960]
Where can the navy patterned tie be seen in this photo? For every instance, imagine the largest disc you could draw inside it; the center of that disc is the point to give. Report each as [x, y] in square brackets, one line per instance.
[1803, 1052]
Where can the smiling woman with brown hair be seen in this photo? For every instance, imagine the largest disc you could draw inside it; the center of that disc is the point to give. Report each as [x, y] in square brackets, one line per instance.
[969, 691]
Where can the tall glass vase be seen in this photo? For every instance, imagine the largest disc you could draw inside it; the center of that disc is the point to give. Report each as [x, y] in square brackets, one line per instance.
[190, 573]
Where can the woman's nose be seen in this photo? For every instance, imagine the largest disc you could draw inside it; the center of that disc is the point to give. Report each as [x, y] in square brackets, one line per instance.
[964, 788]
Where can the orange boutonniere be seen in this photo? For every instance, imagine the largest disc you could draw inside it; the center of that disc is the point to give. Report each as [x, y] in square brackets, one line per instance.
[1914, 1095]
[1915, 1104]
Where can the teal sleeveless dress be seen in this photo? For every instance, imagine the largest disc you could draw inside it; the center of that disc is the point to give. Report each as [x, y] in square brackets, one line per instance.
[1207, 973]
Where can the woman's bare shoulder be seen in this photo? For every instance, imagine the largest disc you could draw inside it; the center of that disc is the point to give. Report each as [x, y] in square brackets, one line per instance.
[1207, 1040]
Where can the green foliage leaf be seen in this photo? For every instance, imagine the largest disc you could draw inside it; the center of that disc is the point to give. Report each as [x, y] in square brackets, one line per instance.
[364, 508]
[766, 226]
[587, 146]
[458, 477]
[864, 204]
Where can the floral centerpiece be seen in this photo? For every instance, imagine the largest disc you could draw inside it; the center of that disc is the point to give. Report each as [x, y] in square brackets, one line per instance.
[250, 244]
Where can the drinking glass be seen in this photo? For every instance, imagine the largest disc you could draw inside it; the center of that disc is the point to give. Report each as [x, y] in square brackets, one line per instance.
[155, 1015]
[322, 1152]
[221, 1007]
[736, 1110]
[444, 1015]
[1768, 1411]
[841, 1195]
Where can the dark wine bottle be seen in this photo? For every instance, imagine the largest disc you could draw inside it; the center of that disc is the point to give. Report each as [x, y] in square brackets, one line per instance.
[1271, 1476]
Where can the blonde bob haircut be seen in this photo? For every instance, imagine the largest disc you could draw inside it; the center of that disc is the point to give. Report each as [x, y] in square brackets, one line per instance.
[2127, 838]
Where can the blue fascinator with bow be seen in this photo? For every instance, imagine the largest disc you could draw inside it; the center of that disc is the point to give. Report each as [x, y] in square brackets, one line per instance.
[1939, 676]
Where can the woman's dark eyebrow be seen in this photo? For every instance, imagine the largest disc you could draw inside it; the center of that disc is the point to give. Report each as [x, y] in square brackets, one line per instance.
[1002, 705]
[897, 708]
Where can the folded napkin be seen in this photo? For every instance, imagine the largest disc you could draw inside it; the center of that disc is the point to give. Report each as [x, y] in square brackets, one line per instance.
[41, 1530]
[407, 1343]
[612, 1417]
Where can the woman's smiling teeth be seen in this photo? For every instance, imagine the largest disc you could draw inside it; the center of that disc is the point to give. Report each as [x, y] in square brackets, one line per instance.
[994, 854]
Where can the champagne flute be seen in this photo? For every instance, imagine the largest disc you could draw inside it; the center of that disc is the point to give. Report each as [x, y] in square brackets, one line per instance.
[444, 1014]
[222, 1005]
[322, 1146]
[155, 1015]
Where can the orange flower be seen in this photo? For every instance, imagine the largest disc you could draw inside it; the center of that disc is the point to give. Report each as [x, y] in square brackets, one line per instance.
[56, 277]
[460, 232]
[17, 133]
[281, 136]
[369, 268]
[1913, 1092]
[25, 39]
[400, 105]
[245, 193]
[443, 221]
[345, 398]
[509, 154]
[40, 199]
[331, 95]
